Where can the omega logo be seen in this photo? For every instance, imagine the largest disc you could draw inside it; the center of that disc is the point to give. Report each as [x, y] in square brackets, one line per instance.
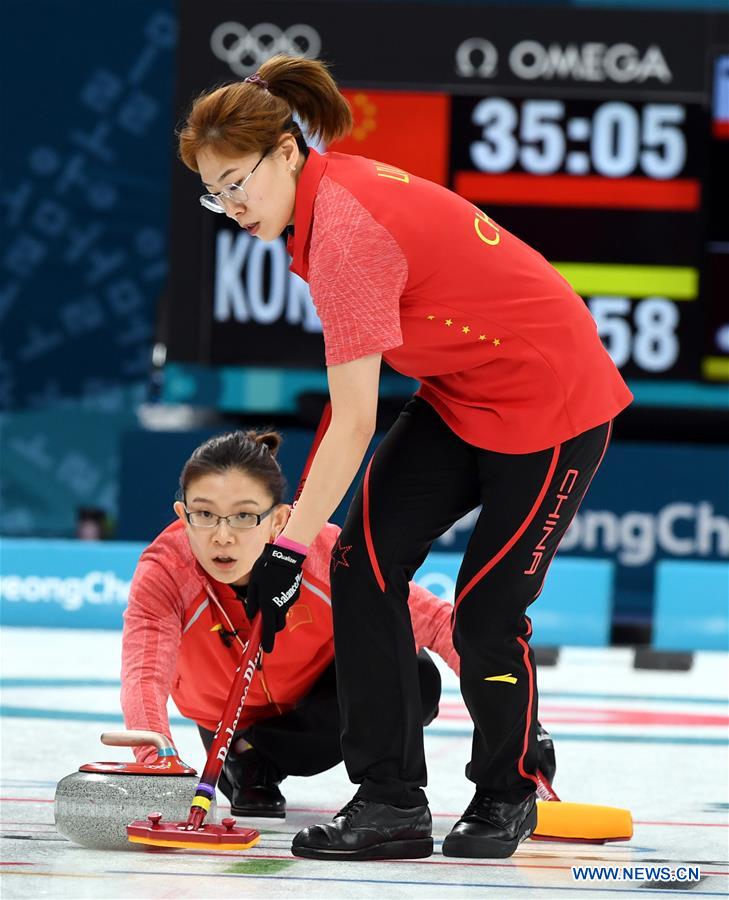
[530, 60]
[476, 56]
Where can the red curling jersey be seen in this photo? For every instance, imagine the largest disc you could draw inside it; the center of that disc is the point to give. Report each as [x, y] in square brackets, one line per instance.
[504, 349]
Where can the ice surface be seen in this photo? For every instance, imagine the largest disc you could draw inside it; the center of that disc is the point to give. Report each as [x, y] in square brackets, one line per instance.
[655, 742]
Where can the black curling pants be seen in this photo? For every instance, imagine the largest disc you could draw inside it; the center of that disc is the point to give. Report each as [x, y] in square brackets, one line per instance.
[421, 480]
[306, 739]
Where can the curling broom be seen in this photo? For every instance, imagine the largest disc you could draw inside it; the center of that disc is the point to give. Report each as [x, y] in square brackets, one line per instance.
[579, 823]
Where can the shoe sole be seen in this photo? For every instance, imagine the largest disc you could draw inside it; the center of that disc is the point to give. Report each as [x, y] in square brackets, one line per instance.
[418, 848]
[244, 812]
[471, 847]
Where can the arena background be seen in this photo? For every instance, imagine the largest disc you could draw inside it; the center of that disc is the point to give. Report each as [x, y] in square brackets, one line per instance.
[134, 325]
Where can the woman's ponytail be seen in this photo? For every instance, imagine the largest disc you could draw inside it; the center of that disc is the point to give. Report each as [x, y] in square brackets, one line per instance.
[250, 116]
[310, 91]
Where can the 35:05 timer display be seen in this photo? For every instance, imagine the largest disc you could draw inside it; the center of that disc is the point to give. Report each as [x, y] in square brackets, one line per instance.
[614, 139]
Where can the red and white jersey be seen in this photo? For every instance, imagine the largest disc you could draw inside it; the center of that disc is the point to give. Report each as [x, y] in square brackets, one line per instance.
[171, 644]
[504, 349]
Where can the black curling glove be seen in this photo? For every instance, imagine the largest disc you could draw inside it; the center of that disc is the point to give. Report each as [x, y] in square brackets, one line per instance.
[273, 588]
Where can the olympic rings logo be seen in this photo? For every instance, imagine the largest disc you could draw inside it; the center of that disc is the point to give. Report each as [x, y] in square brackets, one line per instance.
[245, 49]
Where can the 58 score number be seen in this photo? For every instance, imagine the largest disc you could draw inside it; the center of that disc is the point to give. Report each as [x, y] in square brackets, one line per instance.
[616, 140]
[642, 332]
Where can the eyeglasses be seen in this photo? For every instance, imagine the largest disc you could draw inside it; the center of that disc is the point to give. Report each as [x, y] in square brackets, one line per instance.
[238, 521]
[235, 192]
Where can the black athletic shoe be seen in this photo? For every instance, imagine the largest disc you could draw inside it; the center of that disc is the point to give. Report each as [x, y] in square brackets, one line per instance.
[546, 759]
[250, 782]
[364, 829]
[490, 829]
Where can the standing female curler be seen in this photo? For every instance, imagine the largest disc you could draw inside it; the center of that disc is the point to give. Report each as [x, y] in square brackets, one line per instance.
[514, 412]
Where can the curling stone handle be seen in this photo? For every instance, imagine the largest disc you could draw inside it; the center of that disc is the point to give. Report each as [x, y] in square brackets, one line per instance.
[136, 739]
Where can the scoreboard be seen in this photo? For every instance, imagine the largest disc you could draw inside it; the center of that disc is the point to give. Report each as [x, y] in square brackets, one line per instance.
[599, 137]
[608, 190]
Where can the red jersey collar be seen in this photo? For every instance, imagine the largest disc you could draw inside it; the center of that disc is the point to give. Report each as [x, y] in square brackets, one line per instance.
[306, 189]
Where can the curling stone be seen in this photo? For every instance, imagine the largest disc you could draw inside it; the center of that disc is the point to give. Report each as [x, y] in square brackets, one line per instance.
[94, 805]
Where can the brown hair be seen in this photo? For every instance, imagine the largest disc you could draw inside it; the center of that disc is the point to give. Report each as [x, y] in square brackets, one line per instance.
[251, 452]
[246, 117]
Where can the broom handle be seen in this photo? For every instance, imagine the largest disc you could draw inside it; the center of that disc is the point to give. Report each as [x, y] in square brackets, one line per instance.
[242, 679]
[326, 418]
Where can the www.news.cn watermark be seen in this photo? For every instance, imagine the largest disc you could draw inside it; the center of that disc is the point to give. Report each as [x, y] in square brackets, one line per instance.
[636, 873]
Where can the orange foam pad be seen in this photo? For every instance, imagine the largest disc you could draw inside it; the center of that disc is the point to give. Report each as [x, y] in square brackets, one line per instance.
[560, 821]
[169, 834]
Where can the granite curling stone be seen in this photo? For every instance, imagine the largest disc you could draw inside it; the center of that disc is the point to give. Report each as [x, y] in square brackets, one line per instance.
[94, 805]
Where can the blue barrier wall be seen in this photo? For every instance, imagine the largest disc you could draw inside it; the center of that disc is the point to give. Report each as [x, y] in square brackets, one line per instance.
[74, 584]
[647, 503]
[65, 584]
[692, 606]
[574, 608]
[77, 584]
